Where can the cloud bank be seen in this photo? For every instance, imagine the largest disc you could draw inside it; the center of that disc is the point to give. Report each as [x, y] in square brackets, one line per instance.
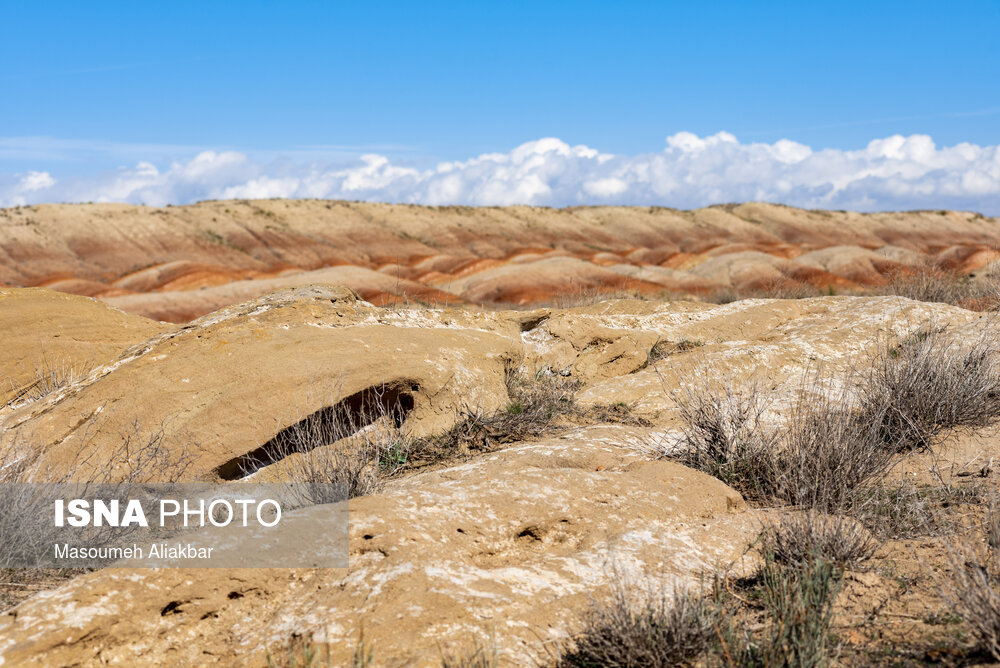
[892, 173]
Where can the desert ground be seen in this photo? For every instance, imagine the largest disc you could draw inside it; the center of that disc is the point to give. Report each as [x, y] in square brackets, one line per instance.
[740, 435]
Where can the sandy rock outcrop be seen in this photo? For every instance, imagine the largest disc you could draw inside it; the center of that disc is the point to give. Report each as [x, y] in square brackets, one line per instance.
[226, 384]
[176, 305]
[773, 343]
[46, 332]
[512, 545]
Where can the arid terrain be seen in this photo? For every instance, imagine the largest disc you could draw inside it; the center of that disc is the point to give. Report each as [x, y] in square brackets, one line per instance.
[178, 263]
[547, 419]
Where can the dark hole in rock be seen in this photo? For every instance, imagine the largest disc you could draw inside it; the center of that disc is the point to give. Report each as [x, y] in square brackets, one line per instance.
[172, 608]
[531, 533]
[326, 426]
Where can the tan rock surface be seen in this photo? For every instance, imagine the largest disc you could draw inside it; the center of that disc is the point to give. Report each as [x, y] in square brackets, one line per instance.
[772, 342]
[515, 542]
[512, 544]
[45, 331]
[226, 384]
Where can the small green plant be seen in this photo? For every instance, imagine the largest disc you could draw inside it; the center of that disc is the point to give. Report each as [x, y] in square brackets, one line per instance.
[799, 601]
[394, 457]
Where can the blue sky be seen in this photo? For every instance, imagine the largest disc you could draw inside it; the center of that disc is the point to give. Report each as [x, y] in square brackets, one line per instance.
[94, 87]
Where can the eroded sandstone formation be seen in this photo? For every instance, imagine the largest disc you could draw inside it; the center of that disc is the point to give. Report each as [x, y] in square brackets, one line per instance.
[511, 543]
[179, 263]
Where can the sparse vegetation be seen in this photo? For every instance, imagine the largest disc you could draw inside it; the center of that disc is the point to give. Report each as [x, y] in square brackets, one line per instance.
[49, 377]
[663, 349]
[536, 404]
[301, 652]
[617, 413]
[936, 285]
[787, 289]
[905, 510]
[723, 434]
[798, 601]
[787, 616]
[353, 444]
[644, 626]
[830, 459]
[930, 383]
[974, 591]
[481, 654]
[835, 444]
[25, 504]
[800, 537]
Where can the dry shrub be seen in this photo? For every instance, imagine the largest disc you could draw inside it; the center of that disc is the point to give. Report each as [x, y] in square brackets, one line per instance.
[536, 404]
[140, 457]
[26, 529]
[827, 451]
[644, 626]
[974, 592]
[818, 459]
[834, 445]
[930, 383]
[724, 435]
[929, 284]
[798, 538]
[904, 510]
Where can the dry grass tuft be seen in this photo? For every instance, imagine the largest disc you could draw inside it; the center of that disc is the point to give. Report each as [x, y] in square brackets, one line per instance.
[536, 404]
[50, 377]
[935, 285]
[479, 655]
[904, 510]
[644, 626]
[798, 538]
[724, 435]
[931, 383]
[351, 444]
[974, 592]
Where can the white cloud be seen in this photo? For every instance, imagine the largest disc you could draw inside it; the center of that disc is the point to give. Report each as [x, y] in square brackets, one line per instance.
[36, 181]
[890, 173]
